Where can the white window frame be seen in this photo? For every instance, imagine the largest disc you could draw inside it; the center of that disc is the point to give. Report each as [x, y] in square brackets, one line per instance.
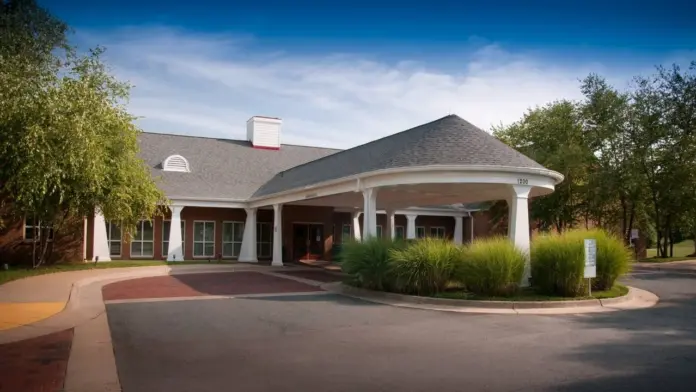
[396, 232]
[259, 242]
[32, 226]
[109, 240]
[343, 231]
[420, 228]
[141, 225]
[166, 239]
[204, 242]
[438, 229]
[232, 256]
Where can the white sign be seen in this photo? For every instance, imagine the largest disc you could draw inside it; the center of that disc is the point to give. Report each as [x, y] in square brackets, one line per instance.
[634, 234]
[590, 258]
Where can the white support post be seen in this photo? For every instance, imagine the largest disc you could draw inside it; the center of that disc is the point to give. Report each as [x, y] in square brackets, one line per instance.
[391, 228]
[370, 213]
[458, 230]
[175, 246]
[247, 253]
[471, 227]
[100, 247]
[411, 226]
[277, 235]
[519, 225]
[356, 225]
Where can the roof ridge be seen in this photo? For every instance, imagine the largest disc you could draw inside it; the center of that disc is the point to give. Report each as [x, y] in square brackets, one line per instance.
[233, 140]
[365, 144]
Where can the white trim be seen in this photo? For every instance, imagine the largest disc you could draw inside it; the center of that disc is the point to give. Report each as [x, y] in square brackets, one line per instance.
[183, 238]
[204, 242]
[204, 202]
[24, 231]
[222, 241]
[109, 241]
[537, 177]
[141, 225]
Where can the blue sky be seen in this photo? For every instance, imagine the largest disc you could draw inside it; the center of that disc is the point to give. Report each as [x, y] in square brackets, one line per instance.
[343, 72]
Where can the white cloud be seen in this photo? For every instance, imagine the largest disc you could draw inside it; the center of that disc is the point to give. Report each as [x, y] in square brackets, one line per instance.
[209, 85]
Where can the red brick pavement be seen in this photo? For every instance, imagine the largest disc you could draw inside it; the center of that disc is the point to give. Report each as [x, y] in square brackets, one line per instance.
[35, 365]
[318, 275]
[191, 285]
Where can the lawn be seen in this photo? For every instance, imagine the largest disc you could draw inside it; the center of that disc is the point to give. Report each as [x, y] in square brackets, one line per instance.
[528, 294]
[681, 250]
[19, 273]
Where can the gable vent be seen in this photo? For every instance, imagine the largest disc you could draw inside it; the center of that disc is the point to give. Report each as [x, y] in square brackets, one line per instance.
[176, 163]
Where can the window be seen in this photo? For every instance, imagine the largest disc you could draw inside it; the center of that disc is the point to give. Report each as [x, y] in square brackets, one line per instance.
[203, 239]
[176, 163]
[379, 231]
[143, 243]
[346, 233]
[399, 232]
[113, 236]
[232, 235]
[30, 225]
[420, 231]
[264, 239]
[437, 232]
[166, 225]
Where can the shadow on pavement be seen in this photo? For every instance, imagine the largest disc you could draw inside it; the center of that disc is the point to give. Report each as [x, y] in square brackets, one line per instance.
[660, 353]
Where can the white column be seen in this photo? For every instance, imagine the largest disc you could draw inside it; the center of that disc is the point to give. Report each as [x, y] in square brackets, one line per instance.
[247, 253]
[100, 245]
[519, 224]
[175, 246]
[391, 228]
[370, 213]
[458, 230]
[277, 235]
[411, 226]
[471, 228]
[356, 225]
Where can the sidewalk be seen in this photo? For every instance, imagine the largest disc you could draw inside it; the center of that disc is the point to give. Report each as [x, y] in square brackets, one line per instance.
[674, 266]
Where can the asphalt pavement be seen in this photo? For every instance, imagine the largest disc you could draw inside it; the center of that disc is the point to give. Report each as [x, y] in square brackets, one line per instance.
[326, 342]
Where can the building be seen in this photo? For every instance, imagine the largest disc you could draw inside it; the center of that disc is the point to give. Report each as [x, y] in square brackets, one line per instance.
[258, 199]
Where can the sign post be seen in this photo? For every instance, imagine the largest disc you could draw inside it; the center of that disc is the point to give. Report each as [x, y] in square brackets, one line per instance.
[590, 262]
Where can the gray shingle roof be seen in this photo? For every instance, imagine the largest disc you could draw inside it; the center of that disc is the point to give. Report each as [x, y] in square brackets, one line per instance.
[450, 140]
[220, 168]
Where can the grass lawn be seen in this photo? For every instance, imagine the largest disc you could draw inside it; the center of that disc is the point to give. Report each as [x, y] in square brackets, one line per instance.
[15, 273]
[681, 250]
[528, 294]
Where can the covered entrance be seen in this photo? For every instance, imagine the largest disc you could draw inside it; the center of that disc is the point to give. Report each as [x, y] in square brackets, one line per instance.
[308, 241]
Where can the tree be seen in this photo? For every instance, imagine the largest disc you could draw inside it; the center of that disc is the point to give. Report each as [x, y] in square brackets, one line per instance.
[552, 135]
[68, 146]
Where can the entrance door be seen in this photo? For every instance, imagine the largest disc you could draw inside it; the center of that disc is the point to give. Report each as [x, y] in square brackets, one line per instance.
[308, 241]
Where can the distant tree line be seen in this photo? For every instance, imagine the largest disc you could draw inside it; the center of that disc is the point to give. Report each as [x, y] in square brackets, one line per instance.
[628, 156]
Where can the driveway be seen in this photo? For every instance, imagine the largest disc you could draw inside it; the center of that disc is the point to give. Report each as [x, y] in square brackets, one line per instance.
[309, 340]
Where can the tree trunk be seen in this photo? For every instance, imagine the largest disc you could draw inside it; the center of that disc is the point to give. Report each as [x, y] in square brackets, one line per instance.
[624, 218]
[33, 247]
[631, 219]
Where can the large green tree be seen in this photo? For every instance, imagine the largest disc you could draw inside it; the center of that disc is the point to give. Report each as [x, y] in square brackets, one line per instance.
[68, 146]
[552, 135]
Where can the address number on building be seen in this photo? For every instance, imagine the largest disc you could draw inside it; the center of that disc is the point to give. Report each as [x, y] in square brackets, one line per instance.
[523, 181]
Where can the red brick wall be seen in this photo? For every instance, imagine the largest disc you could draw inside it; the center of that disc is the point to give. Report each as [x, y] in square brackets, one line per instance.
[67, 244]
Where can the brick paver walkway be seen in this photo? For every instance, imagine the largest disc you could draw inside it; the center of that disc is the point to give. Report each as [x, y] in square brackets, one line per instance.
[35, 365]
[191, 285]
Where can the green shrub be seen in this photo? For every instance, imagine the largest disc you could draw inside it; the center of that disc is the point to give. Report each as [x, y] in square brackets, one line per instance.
[367, 263]
[492, 266]
[613, 259]
[558, 263]
[426, 266]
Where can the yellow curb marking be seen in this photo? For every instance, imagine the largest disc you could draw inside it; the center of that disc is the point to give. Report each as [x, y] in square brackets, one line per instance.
[16, 314]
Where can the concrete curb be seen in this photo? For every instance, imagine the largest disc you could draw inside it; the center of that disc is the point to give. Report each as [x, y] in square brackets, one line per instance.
[508, 307]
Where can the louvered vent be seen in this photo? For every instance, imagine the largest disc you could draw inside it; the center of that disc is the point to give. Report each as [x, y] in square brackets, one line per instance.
[176, 163]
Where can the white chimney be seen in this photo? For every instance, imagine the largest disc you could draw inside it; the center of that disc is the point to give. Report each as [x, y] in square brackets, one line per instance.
[264, 132]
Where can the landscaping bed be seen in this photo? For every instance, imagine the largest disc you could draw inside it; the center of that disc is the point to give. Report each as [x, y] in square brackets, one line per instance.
[531, 294]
